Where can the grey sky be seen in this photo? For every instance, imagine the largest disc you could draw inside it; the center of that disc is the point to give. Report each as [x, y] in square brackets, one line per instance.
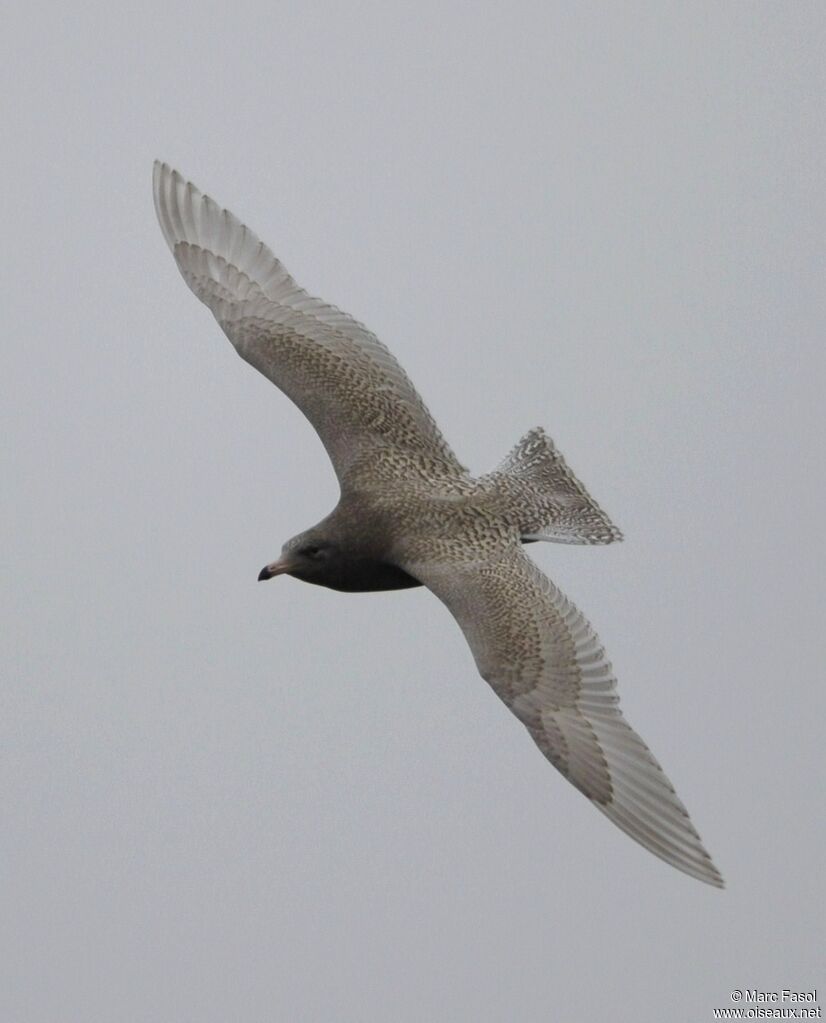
[222, 800]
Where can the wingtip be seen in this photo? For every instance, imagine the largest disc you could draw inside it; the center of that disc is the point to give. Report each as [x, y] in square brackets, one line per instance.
[704, 871]
[160, 170]
[715, 879]
[162, 174]
[175, 199]
[209, 242]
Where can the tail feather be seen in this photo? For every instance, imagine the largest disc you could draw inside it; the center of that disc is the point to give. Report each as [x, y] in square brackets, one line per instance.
[545, 497]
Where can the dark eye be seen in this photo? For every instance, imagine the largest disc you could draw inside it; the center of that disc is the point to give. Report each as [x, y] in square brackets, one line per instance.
[312, 551]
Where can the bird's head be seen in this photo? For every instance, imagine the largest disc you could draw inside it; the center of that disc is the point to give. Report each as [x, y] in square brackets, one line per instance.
[309, 556]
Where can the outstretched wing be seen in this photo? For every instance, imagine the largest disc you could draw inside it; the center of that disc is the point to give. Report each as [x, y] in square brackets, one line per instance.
[339, 374]
[544, 660]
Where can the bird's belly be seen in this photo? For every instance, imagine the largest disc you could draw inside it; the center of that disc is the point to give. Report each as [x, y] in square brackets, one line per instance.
[364, 576]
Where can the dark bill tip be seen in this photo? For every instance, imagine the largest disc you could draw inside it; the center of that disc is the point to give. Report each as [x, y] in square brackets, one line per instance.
[265, 573]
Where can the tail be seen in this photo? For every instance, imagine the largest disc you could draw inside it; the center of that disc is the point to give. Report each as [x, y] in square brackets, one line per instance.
[546, 499]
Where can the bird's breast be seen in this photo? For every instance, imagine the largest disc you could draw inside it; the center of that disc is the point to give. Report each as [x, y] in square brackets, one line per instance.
[364, 575]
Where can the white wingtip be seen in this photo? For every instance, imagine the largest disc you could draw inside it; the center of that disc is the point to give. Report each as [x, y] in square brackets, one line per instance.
[165, 184]
[220, 258]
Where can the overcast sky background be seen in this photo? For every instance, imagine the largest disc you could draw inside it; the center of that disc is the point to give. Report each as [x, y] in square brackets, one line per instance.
[227, 801]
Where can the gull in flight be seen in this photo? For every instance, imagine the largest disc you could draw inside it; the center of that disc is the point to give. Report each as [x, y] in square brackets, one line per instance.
[411, 515]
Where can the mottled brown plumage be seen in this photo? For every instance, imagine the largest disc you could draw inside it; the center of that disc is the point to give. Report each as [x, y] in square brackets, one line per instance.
[410, 514]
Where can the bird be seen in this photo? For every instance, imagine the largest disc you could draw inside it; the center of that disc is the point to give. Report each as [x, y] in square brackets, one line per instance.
[410, 514]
